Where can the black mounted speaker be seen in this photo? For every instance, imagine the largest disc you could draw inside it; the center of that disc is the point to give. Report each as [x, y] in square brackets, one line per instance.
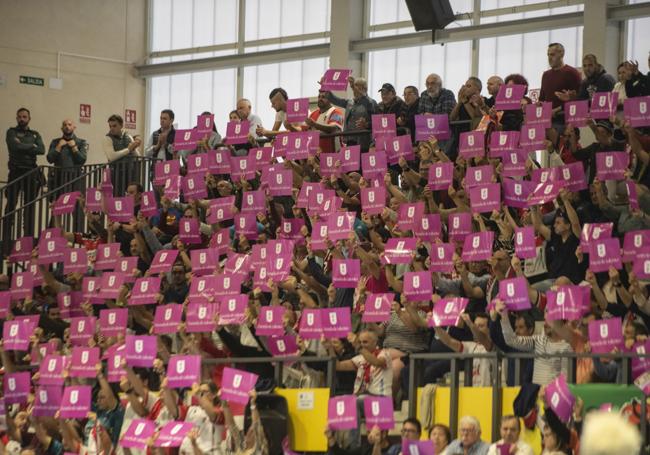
[430, 14]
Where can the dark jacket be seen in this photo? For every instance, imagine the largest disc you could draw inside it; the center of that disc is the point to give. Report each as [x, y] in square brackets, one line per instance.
[599, 82]
[66, 157]
[24, 146]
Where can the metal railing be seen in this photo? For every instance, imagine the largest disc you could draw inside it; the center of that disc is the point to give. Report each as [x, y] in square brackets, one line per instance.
[458, 359]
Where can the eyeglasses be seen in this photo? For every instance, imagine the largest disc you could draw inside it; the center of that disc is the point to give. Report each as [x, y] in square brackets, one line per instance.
[467, 430]
[408, 430]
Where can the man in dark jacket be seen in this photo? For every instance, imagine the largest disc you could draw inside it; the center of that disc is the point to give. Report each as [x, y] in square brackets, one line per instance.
[596, 78]
[24, 145]
[390, 102]
[67, 153]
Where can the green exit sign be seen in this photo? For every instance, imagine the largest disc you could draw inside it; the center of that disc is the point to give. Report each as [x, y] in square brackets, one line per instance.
[30, 80]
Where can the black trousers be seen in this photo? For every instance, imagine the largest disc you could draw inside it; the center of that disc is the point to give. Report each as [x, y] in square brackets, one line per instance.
[29, 188]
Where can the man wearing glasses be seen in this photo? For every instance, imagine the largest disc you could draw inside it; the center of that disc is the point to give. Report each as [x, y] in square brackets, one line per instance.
[469, 439]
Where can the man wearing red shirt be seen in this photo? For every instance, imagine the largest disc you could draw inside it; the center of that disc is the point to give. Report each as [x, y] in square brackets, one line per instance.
[559, 83]
[327, 119]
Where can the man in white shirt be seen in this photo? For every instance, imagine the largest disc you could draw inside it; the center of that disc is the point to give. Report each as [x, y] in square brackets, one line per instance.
[278, 97]
[244, 111]
[510, 431]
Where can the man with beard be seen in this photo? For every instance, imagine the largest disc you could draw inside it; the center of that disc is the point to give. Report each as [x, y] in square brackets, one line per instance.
[121, 150]
[326, 119]
[278, 98]
[596, 78]
[24, 145]
[358, 111]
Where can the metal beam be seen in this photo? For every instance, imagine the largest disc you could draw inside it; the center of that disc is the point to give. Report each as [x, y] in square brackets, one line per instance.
[232, 61]
[624, 12]
[470, 32]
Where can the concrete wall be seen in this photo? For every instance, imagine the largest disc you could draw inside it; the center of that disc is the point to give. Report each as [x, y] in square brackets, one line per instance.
[32, 32]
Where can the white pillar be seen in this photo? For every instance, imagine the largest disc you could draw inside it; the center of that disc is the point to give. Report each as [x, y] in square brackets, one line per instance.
[600, 36]
[346, 24]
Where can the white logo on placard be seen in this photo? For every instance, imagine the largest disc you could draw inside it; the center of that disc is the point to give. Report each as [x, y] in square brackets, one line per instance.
[416, 281]
[11, 384]
[340, 408]
[42, 395]
[604, 331]
[470, 141]
[333, 319]
[84, 356]
[281, 346]
[538, 111]
[144, 286]
[449, 307]
[431, 123]
[202, 313]
[410, 212]
[310, 319]
[503, 139]
[74, 396]
[180, 366]
[111, 318]
[555, 399]
[187, 135]
[484, 193]
[438, 172]
[81, 325]
[508, 92]
[176, 429]
[226, 282]
[384, 122]
[118, 205]
[476, 241]
[572, 110]
[139, 429]
[374, 408]
[236, 380]
[371, 160]
[517, 189]
[19, 281]
[51, 365]
[343, 269]
[601, 250]
[139, 346]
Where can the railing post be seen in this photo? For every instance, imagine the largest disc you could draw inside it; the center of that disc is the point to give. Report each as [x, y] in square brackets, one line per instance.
[277, 369]
[571, 369]
[468, 367]
[625, 369]
[453, 398]
[413, 393]
[496, 396]
[331, 371]
[517, 370]
[644, 420]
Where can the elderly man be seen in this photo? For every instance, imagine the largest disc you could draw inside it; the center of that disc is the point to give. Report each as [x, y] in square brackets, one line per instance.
[436, 99]
[469, 441]
[244, 111]
[358, 111]
[390, 102]
[510, 430]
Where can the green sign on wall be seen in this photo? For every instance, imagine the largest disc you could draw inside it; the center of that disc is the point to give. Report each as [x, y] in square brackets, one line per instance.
[31, 80]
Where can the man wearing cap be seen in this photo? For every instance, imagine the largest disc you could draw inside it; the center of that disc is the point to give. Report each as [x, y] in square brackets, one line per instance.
[390, 102]
[327, 119]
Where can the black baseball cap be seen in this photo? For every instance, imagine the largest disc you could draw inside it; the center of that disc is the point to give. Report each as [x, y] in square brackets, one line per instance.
[387, 86]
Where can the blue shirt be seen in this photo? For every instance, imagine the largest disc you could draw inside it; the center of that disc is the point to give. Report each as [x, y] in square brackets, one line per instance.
[456, 448]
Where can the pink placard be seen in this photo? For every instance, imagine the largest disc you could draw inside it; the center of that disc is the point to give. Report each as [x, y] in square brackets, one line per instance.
[446, 312]
[337, 322]
[138, 433]
[632, 195]
[514, 163]
[441, 258]
[204, 261]
[270, 321]
[185, 140]
[459, 225]
[140, 350]
[471, 144]
[346, 273]
[478, 246]
[559, 398]
[411, 447]
[237, 132]
[378, 412]
[595, 231]
[340, 225]
[611, 165]
[22, 249]
[120, 209]
[110, 285]
[200, 317]
[51, 370]
[189, 231]
[418, 286]
[383, 125]
[525, 242]
[232, 309]
[280, 144]
[183, 370]
[194, 187]
[163, 261]
[76, 402]
[113, 321]
[485, 198]
[377, 307]
[516, 192]
[172, 187]
[82, 329]
[428, 228]
[374, 165]
[47, 401]
[335, 79]
[16, 386]
[282, 345]
[65, 203]
[328, 165]
[145, 291]
[84, 361]
[432, 125]
[575, 113]
[539, 114]
[297, 110]
[637, 111]
[604, 254]
[172, 434]
[222, 209]
[514, 292]
[202, 288]
[262, 156]
[280, 182]
[640, 363]
[634, 244]
[236, 384]
[545, 192]
[311, 325]
[503, 141]
[94, 200]
[350, 158]
[373, 200]
[128, 266]
[509, 97]
[148, 204]
[51, 251]
[399, 250]
[299, 145]
[204, 124]
[409, 214]
[479, 175]
[605, 335]
[114, 370]
[603, 105]
[167, 318]
[242, 167]
[226, 285]
[342, 412]
[565, 303]
[573, 176]
[219, 161]
[441, 175]
[397, 147]
[532, 137]
[291, 229]
[166, 169]
[253, 201]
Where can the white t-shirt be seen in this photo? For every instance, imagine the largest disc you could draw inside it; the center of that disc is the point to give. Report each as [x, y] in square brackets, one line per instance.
[381, 379]
[481, 368]
[210, 434]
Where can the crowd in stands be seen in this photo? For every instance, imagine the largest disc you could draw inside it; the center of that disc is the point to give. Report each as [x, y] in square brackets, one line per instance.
[366, 231]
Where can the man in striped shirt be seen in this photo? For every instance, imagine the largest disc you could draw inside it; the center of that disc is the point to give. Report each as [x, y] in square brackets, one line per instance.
[545, 369]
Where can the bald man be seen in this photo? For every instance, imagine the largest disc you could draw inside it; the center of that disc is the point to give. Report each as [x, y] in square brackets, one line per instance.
[436, 99]
[493, 85]
[67, 153]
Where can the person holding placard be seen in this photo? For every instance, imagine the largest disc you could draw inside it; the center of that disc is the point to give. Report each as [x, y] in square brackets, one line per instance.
[278, 97]
[244, 110]
[596, 78]
[327, 119]
[510, 430]
[254, 442]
